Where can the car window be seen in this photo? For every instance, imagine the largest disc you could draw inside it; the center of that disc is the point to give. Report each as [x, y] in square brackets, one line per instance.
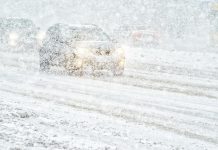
[92, 35]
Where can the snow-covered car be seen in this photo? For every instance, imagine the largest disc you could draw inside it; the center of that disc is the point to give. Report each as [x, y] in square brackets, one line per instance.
[19, 34]
[214, 38]
[137, 35]
[214, 22]
[145, 38]
[79, 48]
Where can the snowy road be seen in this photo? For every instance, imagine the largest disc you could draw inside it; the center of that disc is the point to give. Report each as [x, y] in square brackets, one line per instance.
[157, 107]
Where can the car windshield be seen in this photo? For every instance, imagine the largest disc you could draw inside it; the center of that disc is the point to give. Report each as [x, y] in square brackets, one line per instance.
[92, 35]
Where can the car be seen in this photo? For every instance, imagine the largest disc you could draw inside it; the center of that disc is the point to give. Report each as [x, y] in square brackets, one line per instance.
[214, 23]
[19, 34]
[79, 48]
[137, 35]
[214, 36]
[145, 38]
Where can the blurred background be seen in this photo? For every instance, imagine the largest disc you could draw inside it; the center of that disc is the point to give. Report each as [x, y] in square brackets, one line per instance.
[180, 23]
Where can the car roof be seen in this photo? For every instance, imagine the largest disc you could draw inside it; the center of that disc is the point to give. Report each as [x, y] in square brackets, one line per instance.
[76, 26]
[19, 23]
[58, 28]
[134, 27]
[65, 30]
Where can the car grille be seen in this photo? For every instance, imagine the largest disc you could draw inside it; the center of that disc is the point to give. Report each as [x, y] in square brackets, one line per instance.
[103, 52]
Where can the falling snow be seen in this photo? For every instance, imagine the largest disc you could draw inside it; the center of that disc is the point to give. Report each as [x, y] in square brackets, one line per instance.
[109, 75]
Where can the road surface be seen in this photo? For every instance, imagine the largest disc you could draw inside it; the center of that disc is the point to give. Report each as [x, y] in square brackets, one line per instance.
[157, 104]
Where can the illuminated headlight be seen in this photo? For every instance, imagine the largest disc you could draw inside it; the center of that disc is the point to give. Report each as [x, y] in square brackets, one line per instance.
[82, 52]
[13, 37]
[40, 36]
[120, 52]
[122, 62]
[79, 62]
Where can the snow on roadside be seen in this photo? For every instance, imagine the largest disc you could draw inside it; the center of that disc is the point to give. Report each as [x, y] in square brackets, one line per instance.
[61, 112]
[197, 60]
[27, 123]
[161, 120]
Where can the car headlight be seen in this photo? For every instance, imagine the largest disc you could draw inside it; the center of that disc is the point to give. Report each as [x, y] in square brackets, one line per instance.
[122, 62]
[40, 37]
[13, 37]
[82, 52]
[120, 52]
[79, 62]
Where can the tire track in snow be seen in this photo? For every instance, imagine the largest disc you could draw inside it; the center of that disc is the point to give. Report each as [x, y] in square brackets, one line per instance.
[172, 105]
[176, 70]
[105, 109]
[132, 78]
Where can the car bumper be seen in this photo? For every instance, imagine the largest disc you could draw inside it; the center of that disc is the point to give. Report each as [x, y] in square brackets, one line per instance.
[94, 62]
[101, 63]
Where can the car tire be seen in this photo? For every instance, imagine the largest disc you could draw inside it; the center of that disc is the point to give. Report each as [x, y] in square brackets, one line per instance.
[70, 68]
[44, 66]
[77, 72]
[118, 71]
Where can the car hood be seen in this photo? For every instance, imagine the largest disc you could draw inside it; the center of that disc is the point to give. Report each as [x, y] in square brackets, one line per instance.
[97, 45]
